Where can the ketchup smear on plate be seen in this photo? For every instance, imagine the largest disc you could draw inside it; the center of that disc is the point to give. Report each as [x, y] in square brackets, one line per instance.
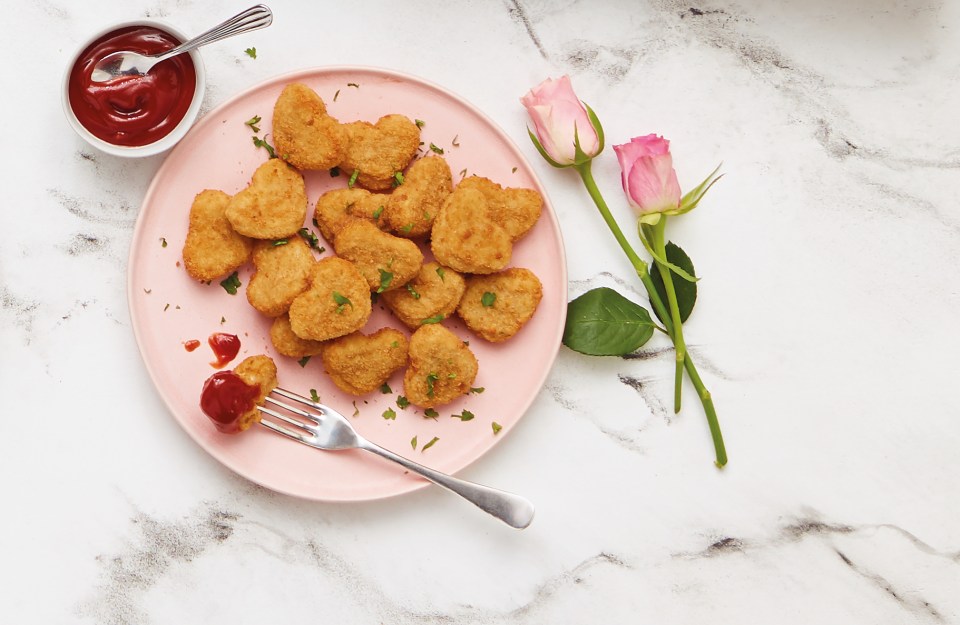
[191, 345]
[133, 111]
[225, 347]
[225, 399]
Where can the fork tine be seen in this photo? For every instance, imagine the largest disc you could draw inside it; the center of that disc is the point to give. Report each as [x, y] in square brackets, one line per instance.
[314, 419]
[299, 399]
[279, 429]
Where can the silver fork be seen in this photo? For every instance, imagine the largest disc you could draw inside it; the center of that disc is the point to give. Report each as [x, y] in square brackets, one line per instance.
[325, 428]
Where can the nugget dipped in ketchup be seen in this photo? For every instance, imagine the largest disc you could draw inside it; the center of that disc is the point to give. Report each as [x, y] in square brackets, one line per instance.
[230, 398]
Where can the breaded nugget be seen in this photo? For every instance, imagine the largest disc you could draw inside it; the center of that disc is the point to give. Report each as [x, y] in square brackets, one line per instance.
[289, 344]
[213, 248]
[515, 210]
[378, 151]
[435, 290]
[413, 206]
[257, 371]
[281, 273]
[304, 134]
[386, 262]
[441, 369]
[336, 208]
[497, 306]
[359, 364]
[336, 303]
[273, 206]
[465, 237]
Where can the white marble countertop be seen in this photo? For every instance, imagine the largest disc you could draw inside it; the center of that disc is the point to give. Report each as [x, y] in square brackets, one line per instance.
[823, 329]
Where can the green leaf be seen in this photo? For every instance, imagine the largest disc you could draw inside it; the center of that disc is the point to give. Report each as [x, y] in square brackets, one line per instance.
[601, 322]
[314, 396]
[385, 389]
[390, 414]
[231, 283]
[430, 444]
[402, 402]
[689, 201]
[386, 278]
[686, 290]
[430, 413]
[466, 415]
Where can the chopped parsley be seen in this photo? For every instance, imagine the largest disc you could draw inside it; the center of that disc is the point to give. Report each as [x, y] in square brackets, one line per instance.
[455, 143]
[385, 279]
[441, 273]
[353, 178]
[419, 123]
[353, 84]
[430, 413]
[513, 171]
[385, 389]
[303, 361]
[251, 52]
[431, 378]
[437, 318]
[488, 299]
[477, 390]
[436, 148]
[451, 376]
[390, 414]
[280, 242]
[395, 344]
[402, 402]
[310, 238]
[430, 444]
[412, 291]
[466, 415]
[463, 173]
[397, 178]
[377, 213]
[166, 307]
[223, 320]
[261, 143]
[231, 283]
[496, 427]
[336, 95]
[413, 442]
[163, 242]
[334, 172]
[314, 396]
[407, 228]
[356, 411]
[252, 122]
[341, 301]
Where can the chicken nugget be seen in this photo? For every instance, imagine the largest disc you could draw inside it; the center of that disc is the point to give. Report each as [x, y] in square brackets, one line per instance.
[359, 364]
[281, 273]
[259, 374]
[515, 210]
[435, 290]
[376, 152]
[441, 369]
[336, 303]
[336, 208]
[496, 306]
[414, 205]
[464, 236]
[386, 262]
[304, 134]
[289, 344]
[213, 248]
[273, 205]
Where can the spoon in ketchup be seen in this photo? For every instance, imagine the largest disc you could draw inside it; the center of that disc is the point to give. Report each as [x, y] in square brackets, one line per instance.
[125, 63]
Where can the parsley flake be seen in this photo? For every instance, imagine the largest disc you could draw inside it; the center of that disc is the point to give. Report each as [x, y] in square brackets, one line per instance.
[412, 291]
[513, 171]
[251, 52]
[413, 442]
[488, 299]
[463, 173]
[390, 414]
[353, 178]
[261, 143]
[437, 318]
[231, 283]
[430, 444]
[341, 301]
[385, 389]
[166, 307]
[280, 242]
[466, 415]
[163, 242]
[336, 95]
[397, 178]
[436, 148]
[402, 402]
[419, 123]
[385, 279]
[455, 143]
[430, 413]
[395, 344]
[356, 411]
[252, 122]
[353, 84]
[377, 213]
[314, 396]
[407, 228]
[223, 320]
[303, 361]
[477, 390]
[441, 273]
[334, 172]
[496, 427]
[431, 378]
[309, 237]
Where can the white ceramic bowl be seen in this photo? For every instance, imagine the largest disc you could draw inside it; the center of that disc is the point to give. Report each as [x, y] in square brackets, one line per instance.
[160, 145]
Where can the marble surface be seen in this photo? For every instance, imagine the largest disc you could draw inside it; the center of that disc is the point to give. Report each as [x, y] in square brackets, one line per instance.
[824, 331]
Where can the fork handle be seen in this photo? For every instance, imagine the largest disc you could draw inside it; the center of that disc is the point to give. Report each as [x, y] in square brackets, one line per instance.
[514, 510]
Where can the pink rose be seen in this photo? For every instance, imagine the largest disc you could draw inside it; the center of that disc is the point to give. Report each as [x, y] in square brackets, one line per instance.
[648, 176]
[557, 114]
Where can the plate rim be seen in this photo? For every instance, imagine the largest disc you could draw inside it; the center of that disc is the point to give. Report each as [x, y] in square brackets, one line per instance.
[209, 118]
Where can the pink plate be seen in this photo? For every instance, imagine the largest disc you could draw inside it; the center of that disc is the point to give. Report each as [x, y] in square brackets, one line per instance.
[169, 308]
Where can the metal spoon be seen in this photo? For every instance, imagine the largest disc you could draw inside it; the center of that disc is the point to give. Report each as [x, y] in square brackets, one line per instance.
[132, 63]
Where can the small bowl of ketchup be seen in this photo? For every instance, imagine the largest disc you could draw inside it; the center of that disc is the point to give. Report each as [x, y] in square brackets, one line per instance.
[134, 115]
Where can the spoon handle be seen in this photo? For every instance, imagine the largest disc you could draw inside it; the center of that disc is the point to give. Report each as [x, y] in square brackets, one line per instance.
[514, 510]
[254, 18]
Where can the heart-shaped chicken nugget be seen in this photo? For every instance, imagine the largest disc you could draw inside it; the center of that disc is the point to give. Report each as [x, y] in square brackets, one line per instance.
[377, 152]
[336, 303]
[413, 207]
[515, 210]
[273, 205]
[441, 369]
[213, 248]
[497, 306]
[304, 134]
[359, 364]
[281, 273]
[435, 290]
[336, 208]
[289, 344]
[386, 262]
[465, 237]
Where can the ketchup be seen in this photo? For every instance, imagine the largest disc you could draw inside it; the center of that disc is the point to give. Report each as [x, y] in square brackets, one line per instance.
[225, 347]
[133, 110]
[226, 398]
[191, 345]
